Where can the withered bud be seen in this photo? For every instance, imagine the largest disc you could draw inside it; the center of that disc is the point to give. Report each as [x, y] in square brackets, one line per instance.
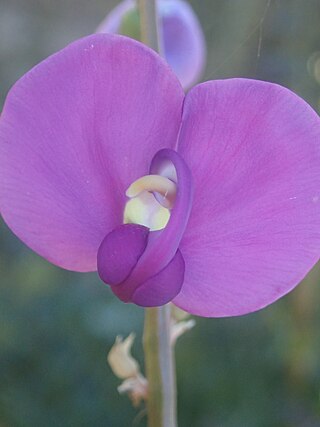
[120, 360]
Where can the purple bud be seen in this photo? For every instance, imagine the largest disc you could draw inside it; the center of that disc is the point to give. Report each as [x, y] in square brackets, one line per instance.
[183, 41]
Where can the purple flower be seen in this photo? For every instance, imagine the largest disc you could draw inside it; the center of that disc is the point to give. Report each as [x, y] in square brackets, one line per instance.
[182, 37]
[231, 181]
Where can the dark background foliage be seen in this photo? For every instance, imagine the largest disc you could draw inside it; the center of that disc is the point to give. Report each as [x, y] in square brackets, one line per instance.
[261, 370]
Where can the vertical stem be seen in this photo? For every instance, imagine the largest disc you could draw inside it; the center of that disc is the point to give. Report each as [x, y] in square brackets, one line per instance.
[160, 370]
[159, 358]
[149, 24]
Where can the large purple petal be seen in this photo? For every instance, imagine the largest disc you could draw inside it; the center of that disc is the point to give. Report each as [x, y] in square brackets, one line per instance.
[75, 132]
[254, 231]
[182, 36]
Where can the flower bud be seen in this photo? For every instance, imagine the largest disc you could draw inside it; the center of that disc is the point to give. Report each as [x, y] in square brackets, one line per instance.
[183, 41]
[120, 360]
[135, 388]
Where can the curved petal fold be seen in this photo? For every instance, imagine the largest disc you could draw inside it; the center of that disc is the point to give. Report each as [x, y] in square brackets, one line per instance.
[75, 132]
[254, 231]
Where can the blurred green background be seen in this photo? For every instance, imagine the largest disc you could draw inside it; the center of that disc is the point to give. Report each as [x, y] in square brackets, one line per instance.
[56, 327]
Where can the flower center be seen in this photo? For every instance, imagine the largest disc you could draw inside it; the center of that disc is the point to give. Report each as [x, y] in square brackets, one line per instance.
[151, 198]
[141, 259]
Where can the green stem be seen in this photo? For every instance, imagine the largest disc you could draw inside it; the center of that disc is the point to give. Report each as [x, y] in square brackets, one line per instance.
[160, 370]
[159, 358]
[149, 24]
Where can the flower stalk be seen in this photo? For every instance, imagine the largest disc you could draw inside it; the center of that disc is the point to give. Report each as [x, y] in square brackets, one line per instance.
[159, 357]
[149, 24]
[159, 367]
